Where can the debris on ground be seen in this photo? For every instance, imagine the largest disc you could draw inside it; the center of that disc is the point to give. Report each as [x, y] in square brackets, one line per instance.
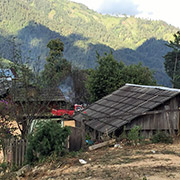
[82, 161]
[107, 163]
[103, 144]
[117, 146]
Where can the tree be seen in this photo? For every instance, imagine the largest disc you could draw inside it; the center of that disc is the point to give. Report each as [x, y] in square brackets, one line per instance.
[172, 61]
[105, 78]
[26, 99]
[56, 67]
[138, 74]
[111, 75]
[6, 127]
[23, 102]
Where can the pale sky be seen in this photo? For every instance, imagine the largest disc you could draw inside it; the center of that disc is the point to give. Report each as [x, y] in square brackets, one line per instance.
[166, 10]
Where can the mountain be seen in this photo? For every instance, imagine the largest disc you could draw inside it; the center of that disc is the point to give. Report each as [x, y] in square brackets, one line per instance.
[83, 32]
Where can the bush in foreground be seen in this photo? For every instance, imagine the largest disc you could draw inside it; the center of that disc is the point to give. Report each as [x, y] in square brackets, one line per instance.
[48, 138]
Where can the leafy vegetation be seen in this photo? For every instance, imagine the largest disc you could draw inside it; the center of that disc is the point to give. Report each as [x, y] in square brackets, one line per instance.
[47, 138]
[162, 137]
[56, 67]
[110, 75]
[83, 31]
[172, 63]
[4, 166]
[106, 78]
[134, 136]
[5, 63]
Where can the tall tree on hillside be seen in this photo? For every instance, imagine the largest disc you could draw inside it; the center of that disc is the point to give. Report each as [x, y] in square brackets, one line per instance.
[110, 75]
[172, 61]
[56, 67]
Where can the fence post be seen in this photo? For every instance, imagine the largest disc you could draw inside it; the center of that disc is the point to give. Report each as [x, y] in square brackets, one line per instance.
[23, 150]
[83, 133]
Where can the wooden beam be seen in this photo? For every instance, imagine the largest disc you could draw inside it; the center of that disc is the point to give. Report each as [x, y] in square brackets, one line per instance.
[100, 145]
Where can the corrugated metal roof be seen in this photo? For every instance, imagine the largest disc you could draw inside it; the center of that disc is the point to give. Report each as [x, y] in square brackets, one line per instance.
[124, 105]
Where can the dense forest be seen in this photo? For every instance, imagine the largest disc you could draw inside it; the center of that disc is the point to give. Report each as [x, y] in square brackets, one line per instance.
[83, 31]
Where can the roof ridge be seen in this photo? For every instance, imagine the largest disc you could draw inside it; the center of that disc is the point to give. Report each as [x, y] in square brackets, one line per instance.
[155, 87]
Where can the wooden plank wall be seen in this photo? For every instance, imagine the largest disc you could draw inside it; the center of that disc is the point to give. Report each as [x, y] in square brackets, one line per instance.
[167, 119]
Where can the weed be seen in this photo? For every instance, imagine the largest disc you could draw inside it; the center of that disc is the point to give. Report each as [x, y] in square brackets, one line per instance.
[4, 166]
[162, 137]
[168, 152]
[127, 160]
[14, 168]
[134, 136]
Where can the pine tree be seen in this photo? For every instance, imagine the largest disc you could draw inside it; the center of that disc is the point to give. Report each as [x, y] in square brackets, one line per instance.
[172, 61]
[56, 67]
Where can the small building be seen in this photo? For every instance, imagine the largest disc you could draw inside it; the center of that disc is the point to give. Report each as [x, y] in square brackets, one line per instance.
[153, 108]
[44, 97]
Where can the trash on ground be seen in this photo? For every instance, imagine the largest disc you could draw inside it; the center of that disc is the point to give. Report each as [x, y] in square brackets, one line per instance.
[118, 146]
[82, 161]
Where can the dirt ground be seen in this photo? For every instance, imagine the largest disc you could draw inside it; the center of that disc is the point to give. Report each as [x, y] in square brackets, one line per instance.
[144, 162]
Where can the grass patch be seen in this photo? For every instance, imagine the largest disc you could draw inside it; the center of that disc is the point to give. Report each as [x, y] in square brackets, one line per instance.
[162, 137]
[169, 152]
[131, 160]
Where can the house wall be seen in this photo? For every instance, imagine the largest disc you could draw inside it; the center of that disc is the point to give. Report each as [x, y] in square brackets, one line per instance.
[165, 117]
[69, 123]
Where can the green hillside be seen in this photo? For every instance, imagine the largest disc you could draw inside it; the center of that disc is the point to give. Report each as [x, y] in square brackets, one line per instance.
[4, 63]
[83, 31]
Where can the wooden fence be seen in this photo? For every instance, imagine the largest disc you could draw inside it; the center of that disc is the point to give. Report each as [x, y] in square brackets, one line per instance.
[15, 150]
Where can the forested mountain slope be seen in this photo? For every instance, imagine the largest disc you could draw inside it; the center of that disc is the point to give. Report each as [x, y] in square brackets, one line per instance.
[83, 31]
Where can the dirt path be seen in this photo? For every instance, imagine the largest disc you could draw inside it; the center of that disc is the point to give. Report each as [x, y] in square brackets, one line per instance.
[151, 162]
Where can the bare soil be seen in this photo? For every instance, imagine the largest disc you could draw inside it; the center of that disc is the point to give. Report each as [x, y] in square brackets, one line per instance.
[144, 162]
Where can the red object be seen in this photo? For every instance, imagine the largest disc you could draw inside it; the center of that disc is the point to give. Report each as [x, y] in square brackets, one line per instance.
[61, 112]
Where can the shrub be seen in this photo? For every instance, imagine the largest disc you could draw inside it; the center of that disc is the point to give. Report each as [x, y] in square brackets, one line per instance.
[134, 135]
[48, 138]
[162, 137]
[4, 166]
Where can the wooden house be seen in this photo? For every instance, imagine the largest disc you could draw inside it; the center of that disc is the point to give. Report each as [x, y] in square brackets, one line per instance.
[153, 108]
[44, 97]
